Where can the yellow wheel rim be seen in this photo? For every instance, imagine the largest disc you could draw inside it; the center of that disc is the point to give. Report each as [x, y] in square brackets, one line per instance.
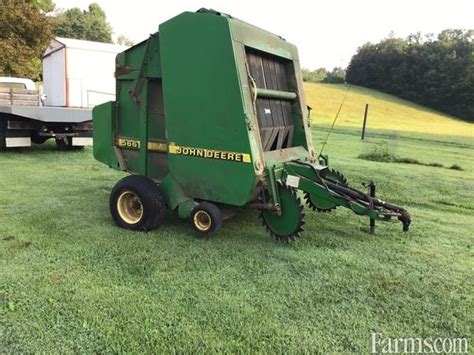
[130, 207]
[202, 221]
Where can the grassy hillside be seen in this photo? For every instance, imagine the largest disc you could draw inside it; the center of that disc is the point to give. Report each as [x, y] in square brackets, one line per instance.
[72, 282]
[385, 111]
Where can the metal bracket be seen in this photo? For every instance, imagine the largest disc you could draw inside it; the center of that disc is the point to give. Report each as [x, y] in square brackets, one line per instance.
[274, 190]
[249, 123]
[371, 186]
[120, 158]
[134, 91]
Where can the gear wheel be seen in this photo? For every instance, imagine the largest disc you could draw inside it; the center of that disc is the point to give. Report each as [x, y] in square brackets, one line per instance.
[314, 207]
[289, 225]
[335, 177]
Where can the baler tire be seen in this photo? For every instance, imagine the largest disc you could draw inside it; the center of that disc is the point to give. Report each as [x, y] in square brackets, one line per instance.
[212, 219]
[150, 199]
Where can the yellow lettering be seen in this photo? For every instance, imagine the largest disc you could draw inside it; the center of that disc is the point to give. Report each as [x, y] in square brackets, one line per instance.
[197, 152]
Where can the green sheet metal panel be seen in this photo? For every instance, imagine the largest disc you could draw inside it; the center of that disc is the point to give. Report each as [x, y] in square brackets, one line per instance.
[204, 108]
[103, 120]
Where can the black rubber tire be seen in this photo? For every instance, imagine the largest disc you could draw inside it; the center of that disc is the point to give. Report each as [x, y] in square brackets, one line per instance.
[38, 139]
[151, 197]
[3, 133]
[215, 215]
[64, 144]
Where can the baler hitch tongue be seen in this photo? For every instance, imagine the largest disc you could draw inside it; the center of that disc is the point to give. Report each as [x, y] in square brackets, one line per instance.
[376, 209]
[326, 188]
[389, 210]
[394, 210]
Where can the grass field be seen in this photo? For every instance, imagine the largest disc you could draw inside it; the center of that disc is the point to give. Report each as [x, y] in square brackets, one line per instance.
[70, 281]
[386, 112]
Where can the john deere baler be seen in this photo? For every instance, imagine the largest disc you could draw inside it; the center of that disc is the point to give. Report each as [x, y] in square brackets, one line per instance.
[210, 117]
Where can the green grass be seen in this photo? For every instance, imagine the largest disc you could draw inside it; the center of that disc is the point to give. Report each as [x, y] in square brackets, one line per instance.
[70, 281]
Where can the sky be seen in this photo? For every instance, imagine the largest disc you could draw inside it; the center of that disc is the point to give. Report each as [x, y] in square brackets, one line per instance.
[327, 33]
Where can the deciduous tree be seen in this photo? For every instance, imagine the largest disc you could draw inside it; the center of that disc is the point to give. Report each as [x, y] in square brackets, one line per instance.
[25, 31]
[89, 24]
[434, 71]
[125, 41]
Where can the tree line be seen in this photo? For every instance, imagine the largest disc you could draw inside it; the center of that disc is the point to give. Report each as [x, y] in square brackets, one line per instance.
[27, 27]
[335, 76]
[437, 72]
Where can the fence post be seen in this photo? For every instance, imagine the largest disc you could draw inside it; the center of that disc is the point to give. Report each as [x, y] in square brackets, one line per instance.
[365, 121]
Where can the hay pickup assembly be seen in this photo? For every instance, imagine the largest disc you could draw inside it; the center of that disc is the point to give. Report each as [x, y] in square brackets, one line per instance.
[210, 117]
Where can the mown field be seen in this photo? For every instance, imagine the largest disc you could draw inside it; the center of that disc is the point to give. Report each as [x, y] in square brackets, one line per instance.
[70, 281]
[386, 112]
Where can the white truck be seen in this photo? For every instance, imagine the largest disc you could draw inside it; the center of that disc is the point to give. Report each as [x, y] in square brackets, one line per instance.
[77, 75]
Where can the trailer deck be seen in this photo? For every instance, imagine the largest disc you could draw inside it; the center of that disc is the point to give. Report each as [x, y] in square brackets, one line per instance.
[49, 114]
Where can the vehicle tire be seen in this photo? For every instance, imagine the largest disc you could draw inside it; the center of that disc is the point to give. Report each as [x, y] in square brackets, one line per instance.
[137, 203]
[3, 133]
[206, 219]
[64, 144]
[38, 139]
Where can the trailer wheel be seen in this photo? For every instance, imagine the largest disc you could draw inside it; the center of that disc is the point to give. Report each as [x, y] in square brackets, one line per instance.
[64, 143]
[36, 139]
[137, 203]
[206, 219]
[3, 133]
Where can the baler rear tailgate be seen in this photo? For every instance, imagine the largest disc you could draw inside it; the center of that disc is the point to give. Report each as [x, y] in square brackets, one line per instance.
[274, 112]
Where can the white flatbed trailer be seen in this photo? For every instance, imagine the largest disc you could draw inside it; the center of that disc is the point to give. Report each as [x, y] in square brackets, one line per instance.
[20, 126]
[77, 75]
